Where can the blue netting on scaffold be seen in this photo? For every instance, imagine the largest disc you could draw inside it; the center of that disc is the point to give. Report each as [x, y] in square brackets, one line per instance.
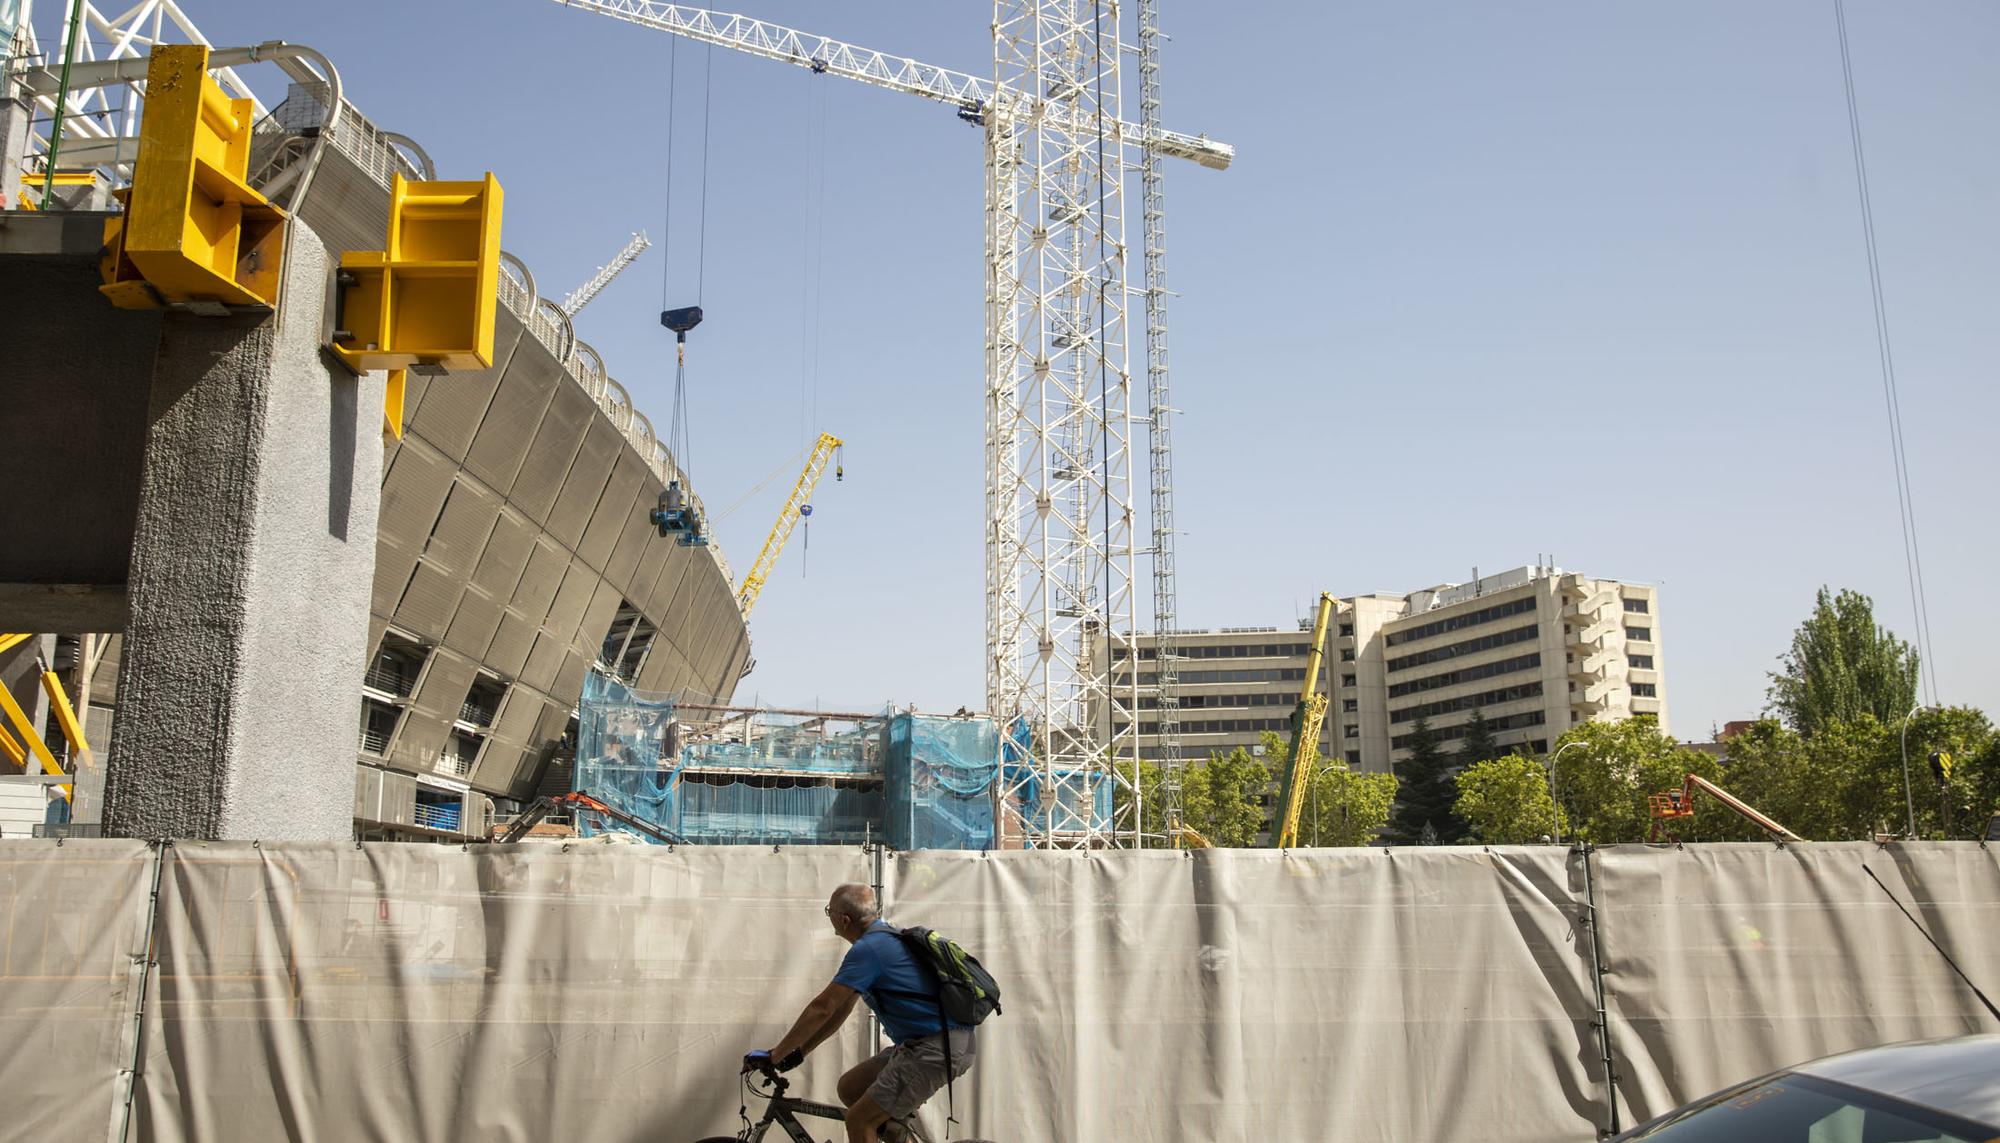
[938, 786]
[1071, 810]
[620, 754]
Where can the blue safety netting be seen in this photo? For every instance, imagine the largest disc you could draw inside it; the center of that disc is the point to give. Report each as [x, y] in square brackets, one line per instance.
[621, 753]
[939, 782]
[1070, 809]
[754, 776]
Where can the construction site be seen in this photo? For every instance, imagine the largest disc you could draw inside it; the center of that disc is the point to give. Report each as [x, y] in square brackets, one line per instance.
[379, 761]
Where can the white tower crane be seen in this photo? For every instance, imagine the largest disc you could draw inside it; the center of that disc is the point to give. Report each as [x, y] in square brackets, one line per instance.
[582, 295]
[1059, 488]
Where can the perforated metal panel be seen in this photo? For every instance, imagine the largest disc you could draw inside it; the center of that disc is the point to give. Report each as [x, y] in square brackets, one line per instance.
[546, 565]
[413, 493]
[585, 483]
[501, 444]
[614, 510]
[471, 630]
[544, 661]
[511, 643]
[597, 618]
[394, 564]
[459, 537]
[566, 613]
[556, 443]
[506, 555]
[622, 566]
[429, 601]
[569, 680]
[454, 405]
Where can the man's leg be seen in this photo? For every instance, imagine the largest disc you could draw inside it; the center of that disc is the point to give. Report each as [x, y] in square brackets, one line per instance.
[859, 1078]
[864, 1119]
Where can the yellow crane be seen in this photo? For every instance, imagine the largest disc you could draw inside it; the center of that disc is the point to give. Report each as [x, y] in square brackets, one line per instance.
[797, 507]
[1307, 718]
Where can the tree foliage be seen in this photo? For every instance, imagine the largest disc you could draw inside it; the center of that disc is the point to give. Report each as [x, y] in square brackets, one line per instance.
[1341, 806]
[1424, 795]
[1506, 800]
[1224, 797]
[1842, 666]
[1477, 745]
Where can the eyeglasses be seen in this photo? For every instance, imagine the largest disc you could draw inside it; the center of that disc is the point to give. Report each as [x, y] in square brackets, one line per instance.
[828, 910]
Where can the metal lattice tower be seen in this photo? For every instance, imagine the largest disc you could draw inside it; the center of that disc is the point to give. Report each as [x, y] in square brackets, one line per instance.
[1059, 489]
[1060, 600]
[1160, 441]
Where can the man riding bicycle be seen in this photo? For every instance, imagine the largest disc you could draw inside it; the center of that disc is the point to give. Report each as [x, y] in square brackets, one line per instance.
[903, 994]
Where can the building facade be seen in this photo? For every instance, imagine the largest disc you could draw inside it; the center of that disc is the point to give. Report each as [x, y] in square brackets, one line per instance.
[1535, 650]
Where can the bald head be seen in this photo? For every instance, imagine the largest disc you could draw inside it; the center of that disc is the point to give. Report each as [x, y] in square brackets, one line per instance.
[852, 909]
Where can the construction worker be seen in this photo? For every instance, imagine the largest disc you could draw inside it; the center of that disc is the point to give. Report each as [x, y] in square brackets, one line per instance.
[902, 992]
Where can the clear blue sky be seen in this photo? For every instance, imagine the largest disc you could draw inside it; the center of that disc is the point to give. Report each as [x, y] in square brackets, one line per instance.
[1487, 280]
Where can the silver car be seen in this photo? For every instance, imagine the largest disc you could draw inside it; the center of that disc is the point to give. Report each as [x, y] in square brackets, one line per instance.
[1928, 1091]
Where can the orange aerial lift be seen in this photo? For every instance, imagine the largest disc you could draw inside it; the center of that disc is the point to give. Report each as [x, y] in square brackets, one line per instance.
[574, 801]
[1680, 804]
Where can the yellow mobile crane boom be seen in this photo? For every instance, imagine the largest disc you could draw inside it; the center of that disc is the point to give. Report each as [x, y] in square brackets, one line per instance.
[1307, 718]
[797, 507]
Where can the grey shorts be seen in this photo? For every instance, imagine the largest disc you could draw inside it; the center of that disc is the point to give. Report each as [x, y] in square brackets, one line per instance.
[913, 1072]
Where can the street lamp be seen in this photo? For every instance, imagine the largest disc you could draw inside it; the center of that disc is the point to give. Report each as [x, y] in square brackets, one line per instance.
[1909, 802]
[1555, 809]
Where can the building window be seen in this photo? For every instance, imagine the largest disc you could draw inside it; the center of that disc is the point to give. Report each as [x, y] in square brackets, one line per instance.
[1352, 732]
[1347, 680]
[1642, 634]
[1469, 647]
[1350, 705]
[1496, 725]
[1468, 619]
[1646, 690]
[482, 702]
[378, 726]
[1347, 654]
[1468, 702]
[1466, 675]
[1636, 605]
[396, 666]
[1640, 662]
[1354, 757]
[1347, 630]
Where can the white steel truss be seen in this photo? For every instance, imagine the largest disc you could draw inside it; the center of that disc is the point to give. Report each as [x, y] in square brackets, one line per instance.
[100, 121]
[1059, 469]
[582, 295]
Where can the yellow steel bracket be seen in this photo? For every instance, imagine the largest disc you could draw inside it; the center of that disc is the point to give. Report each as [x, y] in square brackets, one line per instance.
[26, 730]
[427, 300]
[194, 232]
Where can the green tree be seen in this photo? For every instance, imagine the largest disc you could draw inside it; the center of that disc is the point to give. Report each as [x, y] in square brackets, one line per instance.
[1477, 745]
[1148, 780]
[1843, 665]
[1506, 800]
[1424, 794]
[1603, 785]
[1224, 797]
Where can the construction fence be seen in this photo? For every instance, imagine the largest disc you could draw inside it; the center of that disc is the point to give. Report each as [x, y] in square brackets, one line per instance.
[333, 992]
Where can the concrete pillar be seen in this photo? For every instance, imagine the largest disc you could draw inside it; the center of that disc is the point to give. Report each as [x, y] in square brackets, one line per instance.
[15, 124]
[252, 562]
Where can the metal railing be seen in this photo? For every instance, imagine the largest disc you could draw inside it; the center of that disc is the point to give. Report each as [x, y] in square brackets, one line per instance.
[433, 816]
[373, 743]
[389, 682]
[474, 714]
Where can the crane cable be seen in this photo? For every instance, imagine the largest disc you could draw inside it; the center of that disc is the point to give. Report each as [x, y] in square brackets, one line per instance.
[1913, 563]
[679, 429]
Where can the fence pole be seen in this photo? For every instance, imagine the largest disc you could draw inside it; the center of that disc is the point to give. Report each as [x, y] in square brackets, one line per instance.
[148, 965]
[1602, 1020]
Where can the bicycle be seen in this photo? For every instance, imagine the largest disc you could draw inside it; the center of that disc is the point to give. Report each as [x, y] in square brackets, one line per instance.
[783, 1111]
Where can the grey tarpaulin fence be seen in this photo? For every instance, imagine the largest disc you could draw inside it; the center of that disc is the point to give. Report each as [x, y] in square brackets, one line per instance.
[398, 992]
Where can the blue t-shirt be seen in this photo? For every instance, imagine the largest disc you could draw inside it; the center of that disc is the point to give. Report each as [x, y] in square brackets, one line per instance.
[901, 990]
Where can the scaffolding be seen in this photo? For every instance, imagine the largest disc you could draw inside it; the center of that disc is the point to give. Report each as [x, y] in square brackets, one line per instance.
[721, 775]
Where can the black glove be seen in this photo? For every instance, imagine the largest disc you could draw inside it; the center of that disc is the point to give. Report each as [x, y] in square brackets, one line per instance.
[792, 1059]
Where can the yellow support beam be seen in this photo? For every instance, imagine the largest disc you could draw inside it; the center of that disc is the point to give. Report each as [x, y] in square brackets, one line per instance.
[26, 730]
[427, 299]
[788, 518]
[9, 642]
[194, 229]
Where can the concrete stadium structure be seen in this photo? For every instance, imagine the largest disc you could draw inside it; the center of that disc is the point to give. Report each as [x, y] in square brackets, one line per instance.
[513, 544]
